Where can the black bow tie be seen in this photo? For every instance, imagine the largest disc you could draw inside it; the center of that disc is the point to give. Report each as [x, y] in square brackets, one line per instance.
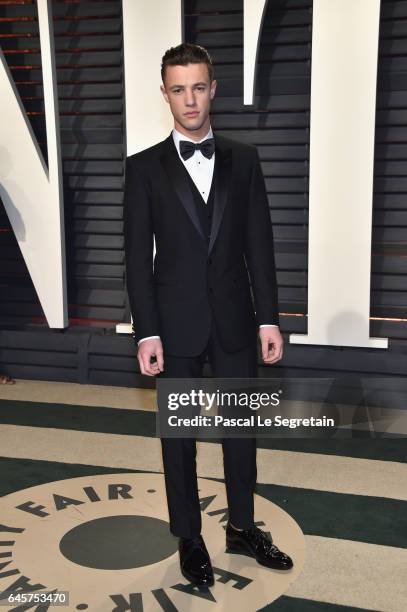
[188, 148]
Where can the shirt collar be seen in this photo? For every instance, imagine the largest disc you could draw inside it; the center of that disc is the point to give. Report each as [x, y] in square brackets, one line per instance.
[177, 136]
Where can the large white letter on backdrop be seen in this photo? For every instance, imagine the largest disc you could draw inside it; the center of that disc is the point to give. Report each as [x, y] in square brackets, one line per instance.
[32, 194]
[345, 36]
[149, 29]
[253, 13]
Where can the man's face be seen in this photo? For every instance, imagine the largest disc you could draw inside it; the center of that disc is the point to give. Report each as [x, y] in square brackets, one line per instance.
[189, 93]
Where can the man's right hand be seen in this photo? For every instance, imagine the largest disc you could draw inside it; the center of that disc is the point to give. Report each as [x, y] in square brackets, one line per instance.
[148, 349]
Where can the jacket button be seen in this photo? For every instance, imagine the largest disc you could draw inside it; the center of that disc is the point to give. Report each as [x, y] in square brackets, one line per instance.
[210, 290]
[210, 261]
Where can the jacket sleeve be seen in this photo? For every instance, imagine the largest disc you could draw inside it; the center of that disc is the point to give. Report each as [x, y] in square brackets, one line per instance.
[138, 250]
[259, 250]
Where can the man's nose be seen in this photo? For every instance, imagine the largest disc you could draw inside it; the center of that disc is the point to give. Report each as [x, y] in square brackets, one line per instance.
[189, 98]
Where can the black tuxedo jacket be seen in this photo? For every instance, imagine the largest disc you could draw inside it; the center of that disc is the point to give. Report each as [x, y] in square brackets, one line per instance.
[194, 279]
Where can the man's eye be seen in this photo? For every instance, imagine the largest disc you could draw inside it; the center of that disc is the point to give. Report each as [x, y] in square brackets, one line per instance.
[176, 91]
[200, 88]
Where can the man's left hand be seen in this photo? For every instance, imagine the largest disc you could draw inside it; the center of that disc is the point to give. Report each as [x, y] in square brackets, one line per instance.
[271, 335]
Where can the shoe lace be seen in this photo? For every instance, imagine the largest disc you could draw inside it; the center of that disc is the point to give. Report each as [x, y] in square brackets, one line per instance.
[192, 545]
[262, 540]
[197, 543]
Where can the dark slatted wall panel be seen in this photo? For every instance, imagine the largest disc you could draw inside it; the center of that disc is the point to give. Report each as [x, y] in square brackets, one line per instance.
[389, 253]
[278, 122]
[88, 43]
[90, 85]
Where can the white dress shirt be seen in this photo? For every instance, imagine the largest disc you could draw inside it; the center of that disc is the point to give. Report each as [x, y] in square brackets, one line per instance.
[200, 169]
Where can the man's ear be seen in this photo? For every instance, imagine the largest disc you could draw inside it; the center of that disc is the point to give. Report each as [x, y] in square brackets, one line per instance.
[164, 93]
[213, 89]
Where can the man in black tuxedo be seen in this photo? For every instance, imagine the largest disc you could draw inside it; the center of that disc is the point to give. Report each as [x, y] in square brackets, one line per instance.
[203, 198]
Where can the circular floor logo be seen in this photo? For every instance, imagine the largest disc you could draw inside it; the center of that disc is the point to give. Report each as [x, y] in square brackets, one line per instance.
[105, 541]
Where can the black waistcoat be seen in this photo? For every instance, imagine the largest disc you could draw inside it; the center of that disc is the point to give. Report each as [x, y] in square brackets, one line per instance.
[204, 209]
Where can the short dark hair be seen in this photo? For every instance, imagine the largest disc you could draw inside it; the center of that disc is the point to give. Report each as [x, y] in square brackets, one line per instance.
[186, 53]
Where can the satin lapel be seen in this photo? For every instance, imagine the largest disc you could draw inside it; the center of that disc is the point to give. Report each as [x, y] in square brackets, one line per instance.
[223, 157]
[178, 179]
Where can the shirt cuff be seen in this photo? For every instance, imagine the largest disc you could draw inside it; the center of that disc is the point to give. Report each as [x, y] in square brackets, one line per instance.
[268, 325]
[146, 338]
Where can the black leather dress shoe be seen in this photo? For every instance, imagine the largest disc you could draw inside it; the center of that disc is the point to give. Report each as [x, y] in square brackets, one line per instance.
[195, 562]
[255, 543]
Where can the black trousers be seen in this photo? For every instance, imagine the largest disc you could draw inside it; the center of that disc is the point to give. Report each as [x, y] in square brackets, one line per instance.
[239, 454]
